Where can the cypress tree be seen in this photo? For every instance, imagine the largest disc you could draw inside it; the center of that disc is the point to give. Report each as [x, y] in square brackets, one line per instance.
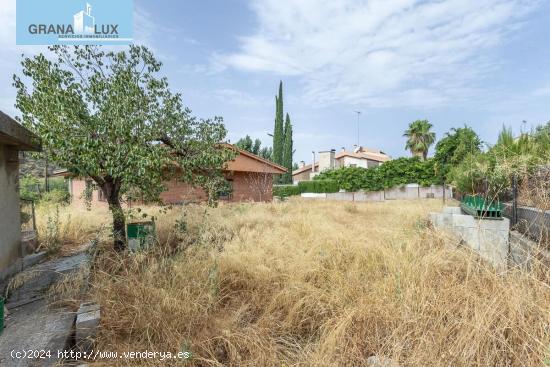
[287, 151]
[278, 137]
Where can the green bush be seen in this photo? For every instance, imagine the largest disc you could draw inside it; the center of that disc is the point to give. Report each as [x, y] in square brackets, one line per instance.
[55, 196]
[29, 188]
[284, 191]
[392, 173]
[318, 186]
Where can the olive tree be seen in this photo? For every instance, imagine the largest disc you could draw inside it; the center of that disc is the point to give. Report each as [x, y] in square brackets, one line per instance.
[108, 116]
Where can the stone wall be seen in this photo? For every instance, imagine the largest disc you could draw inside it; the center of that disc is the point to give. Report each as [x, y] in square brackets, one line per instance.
[489, 238]
[407, 192]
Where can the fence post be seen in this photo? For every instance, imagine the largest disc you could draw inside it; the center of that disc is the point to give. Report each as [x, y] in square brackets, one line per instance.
[33, 217]
[514, 200]
[444, 193]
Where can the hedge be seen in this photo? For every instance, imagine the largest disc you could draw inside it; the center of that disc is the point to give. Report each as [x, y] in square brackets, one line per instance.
[390, 174]
[319, 186]
[284, 191]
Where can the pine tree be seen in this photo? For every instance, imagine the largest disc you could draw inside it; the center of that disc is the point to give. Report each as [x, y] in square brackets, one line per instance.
[278, 137]
[287, 151]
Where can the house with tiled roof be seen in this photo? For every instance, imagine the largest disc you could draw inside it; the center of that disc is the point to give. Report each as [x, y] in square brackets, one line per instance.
[330, 159]
[250, 178]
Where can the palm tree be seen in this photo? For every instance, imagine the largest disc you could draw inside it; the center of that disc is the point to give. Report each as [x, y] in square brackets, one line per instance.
[419, 138]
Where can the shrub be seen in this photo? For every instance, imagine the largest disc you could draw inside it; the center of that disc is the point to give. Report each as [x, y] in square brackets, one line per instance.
[319, 186]
[29, 188]
[55, 197]
[283, 191]
[390, 174]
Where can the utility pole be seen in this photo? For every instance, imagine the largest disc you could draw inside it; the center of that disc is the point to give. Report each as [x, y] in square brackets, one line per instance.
[358, 114]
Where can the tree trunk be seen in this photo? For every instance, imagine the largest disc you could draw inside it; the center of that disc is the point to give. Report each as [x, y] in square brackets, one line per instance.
[112, 192]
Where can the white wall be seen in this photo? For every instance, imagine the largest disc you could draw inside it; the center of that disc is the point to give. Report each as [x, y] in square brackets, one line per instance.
[10, 218]
[347, 161]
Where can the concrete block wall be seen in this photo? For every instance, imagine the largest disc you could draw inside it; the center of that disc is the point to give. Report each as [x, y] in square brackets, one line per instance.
[405, 192]
[368, 196]
[340, 196]
[489, 238]
[436, 190]
[402, 192]
[312, 195]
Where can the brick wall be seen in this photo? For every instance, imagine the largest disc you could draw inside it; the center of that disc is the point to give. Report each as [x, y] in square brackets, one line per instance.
[247, 186]
[250, 186]
[180, 192]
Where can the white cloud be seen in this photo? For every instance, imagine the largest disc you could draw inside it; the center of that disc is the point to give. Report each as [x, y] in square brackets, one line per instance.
[542, 91]
[241, 99]
[380, 52]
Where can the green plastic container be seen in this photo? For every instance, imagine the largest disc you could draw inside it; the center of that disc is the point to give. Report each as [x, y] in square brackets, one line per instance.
[1, 314]
[480, 207]
[140, 235]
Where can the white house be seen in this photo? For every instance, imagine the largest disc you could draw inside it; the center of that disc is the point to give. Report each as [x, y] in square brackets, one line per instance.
[329, 159]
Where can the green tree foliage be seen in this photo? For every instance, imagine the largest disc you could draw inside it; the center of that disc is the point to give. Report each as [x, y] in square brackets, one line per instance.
[419, 138]
[267, 153]
[288, 151]
[453, 148]
[491, 172]
[255, 147]
[252, 146]
[278, 131]
[390, 174]
[108, 116]
[33, 188]
[283, 191]
[30, 187]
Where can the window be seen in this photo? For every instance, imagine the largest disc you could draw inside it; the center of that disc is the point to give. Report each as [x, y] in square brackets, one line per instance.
[227, 192]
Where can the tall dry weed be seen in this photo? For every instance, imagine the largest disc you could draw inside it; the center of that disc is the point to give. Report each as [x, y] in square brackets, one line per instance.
[319, 284]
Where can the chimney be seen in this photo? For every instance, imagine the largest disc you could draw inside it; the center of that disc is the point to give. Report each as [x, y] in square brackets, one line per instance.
[326, 160]
[356, 148]
[302, 164]
[343, 149]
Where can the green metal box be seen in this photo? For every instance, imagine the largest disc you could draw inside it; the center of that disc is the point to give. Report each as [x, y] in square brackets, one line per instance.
[140, 235]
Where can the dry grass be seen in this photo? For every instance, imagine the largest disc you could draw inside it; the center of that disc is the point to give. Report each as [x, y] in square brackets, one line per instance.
[62, 228]
[318, 284]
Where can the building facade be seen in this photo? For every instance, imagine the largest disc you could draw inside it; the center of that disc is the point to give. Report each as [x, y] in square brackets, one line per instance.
[330, 159]
[249, 176]
[13, 139]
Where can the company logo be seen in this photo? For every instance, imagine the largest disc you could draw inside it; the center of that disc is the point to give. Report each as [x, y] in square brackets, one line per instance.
[49, 22]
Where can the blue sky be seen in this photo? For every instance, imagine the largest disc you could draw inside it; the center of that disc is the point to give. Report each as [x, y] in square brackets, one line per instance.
[484, 63]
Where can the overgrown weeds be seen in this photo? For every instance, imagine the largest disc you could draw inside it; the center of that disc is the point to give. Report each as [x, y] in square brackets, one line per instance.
[318, 284]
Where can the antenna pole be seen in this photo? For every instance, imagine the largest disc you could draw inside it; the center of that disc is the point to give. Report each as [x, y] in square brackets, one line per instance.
[358, 114]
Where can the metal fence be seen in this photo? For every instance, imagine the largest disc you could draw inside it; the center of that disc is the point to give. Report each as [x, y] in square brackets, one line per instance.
[532, 222]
